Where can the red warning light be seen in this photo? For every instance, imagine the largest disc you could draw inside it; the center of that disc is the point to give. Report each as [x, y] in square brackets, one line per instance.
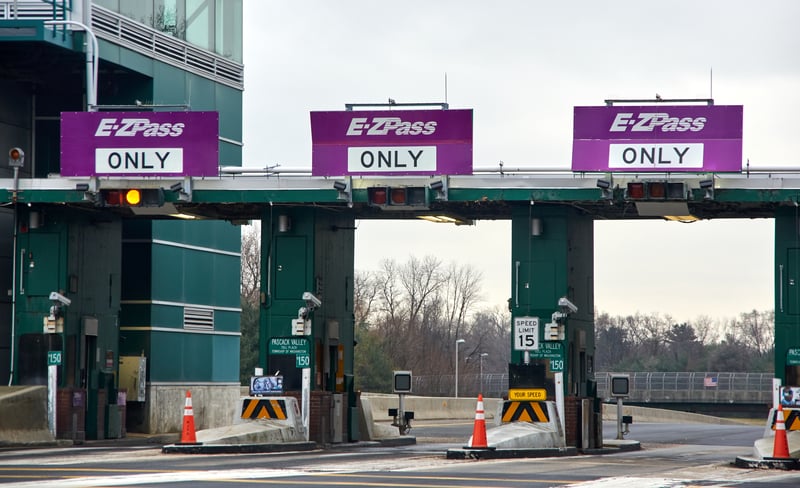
[657, 189]
[398, 196]
[635, 191]
[377, 195]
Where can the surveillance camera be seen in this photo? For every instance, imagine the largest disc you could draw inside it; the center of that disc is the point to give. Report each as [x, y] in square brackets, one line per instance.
[567, 305]
[58, 297]
[311, 299]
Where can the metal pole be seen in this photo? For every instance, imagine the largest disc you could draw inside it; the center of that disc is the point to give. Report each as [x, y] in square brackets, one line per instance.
[458, 341]
[92, 61]
[483, 355]
[619, 418]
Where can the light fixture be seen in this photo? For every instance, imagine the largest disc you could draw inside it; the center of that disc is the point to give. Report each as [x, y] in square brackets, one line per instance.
[343, 187]
[605, 187]
[183, 189]
[16, 157]
[440, 187]
[708, 186]
[284, 223]
[536, 226]
[446, 219]
[82, 187]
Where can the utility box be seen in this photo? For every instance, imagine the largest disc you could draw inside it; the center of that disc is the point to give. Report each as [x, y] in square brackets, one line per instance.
[337, 418]
[133, 377]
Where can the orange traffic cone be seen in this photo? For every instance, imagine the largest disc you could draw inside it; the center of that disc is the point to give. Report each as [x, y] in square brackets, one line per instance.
[478, 439]
[188, 434]
[780, 448]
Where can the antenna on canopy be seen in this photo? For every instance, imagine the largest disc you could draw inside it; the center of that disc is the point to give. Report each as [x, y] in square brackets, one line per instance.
[445, 87]
[711, 83]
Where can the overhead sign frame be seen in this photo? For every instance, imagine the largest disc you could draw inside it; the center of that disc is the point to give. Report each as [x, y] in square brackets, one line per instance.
[391, 142]
[139, 144]
[658, 138]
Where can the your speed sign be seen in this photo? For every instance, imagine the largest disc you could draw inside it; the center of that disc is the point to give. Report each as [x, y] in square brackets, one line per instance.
[526, 333]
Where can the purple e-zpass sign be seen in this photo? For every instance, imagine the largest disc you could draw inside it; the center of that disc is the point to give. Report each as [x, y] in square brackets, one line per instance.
[391, 142]
[659, 138]
[126, 144]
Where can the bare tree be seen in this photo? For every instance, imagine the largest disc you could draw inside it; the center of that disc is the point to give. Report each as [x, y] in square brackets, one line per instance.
[251, 265]
[756, 330]
[365, 291]
[250, 288]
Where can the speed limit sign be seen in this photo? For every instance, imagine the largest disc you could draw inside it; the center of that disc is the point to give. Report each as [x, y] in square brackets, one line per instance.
[526, 333]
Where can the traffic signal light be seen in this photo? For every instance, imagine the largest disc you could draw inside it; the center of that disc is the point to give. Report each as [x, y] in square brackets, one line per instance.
[656, 190]
[402, 382]
[133, 197]
[397, 196]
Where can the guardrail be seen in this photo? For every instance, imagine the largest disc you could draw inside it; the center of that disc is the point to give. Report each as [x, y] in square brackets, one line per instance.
[655, 387]
[695, 387]
[34, 9]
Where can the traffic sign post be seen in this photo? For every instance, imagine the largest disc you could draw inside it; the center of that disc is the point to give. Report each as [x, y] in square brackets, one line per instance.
[301, 348]
[53, 362]
[526, 336]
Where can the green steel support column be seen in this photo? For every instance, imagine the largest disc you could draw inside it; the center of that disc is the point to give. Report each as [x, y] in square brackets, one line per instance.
[787, 295]
[552, 257]
[306, 249]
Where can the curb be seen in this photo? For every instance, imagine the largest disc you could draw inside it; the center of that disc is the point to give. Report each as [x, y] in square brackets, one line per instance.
[237, 448]
[768, 463]
[614, 447]
[510, 453]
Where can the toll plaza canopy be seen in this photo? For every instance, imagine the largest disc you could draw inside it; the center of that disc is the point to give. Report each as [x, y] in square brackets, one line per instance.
[489, 193]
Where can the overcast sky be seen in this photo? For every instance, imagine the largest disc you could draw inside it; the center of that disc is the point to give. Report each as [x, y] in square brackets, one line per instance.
[522, 66]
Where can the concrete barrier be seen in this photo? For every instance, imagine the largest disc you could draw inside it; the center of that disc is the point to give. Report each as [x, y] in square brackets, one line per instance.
[259, 420]
[647, 414]
[23, 415]
[430, 408]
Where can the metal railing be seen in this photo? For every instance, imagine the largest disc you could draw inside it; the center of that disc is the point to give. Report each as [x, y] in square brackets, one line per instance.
[696, 387]
[34, 9]
[153, 43]
[120, 30]
[658, 387]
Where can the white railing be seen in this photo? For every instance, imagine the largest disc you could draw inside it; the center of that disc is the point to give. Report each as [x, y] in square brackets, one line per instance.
[34, 9]
[121, 30]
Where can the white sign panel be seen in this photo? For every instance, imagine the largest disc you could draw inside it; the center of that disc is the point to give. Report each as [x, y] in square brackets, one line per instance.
[391, 159]
[526, 333]
[651, 155]
[138, 161]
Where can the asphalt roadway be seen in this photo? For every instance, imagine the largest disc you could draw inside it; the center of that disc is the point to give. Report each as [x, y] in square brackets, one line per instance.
[672, 455]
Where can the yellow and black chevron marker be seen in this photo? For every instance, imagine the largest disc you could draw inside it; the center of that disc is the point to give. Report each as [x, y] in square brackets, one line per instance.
[519, 411]
[263, 408]
[791, 418]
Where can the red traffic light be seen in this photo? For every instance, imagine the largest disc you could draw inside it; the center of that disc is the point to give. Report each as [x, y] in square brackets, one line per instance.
[635, 191]
[656, 190]
[400, 196]
[377, 195]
